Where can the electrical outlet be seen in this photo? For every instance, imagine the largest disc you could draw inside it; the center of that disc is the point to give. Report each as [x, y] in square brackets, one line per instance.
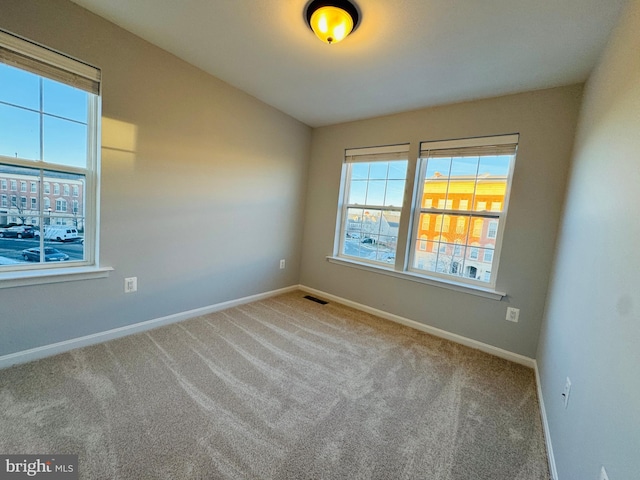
[513, 314]
[565, 392]
[130, 284]
[603, 474]
[282, 263]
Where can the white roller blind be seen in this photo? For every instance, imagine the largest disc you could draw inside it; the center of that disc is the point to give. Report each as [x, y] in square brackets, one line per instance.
[26, 55]
[377, 154]
[485, 146]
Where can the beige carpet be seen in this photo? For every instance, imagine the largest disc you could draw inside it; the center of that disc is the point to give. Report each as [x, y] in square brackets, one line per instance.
[279, 389]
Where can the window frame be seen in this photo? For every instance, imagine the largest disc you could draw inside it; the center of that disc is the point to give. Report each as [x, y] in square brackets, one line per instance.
[483, 146]
[386, 153]
[408, 238]
[44, 62]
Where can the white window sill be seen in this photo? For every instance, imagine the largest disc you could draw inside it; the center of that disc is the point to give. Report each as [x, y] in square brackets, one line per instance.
[413, 277]
[53, 275]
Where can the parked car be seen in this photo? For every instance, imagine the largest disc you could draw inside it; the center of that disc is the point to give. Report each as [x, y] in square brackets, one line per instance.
[50, 254]
[19, 231]
[369, 240]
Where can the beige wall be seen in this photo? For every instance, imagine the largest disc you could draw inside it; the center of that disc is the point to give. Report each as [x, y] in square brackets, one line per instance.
[591, 332]
[546, 122]
[202, 187]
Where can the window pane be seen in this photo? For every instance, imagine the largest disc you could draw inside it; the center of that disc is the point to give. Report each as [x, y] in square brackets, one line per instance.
[370, 186]
[436, 182]
[64, 101]
[371, 234]
[353, 225]
[437, 168]
[425, 259]
[395, 193]
[375, 192]
[462, 183]
[65, 142]
[18, 208]
[359, 171]
[398, 170]
[19, 217]
[378, 170]
[494, 165]
[19, 87]
[66, 234]
[464, 167]
[19, 135]
[491, 187]
[358, 192]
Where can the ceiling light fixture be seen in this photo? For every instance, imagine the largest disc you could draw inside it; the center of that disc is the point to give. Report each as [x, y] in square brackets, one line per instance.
[332, 20]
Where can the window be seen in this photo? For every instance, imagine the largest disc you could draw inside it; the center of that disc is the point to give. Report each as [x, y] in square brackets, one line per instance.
[492, 232]
[66, 190]
[61, 205]
[75, 190]
[423, 242]
[4, 201]
[471, 172]
[49, 112]
[3, 184]
[373, 198]
[455, 217]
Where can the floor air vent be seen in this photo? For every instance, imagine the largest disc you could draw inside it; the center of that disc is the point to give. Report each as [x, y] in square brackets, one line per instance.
[314, 299]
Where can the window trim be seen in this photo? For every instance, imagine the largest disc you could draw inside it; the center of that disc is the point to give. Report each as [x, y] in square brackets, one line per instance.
[407, 241]
[388, 153]
[500, 142]
[45, 62]
[413, 277]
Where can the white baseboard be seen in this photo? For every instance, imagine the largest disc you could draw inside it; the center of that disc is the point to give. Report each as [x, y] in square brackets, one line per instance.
[484, 347]
[545, 426]
[67, 345]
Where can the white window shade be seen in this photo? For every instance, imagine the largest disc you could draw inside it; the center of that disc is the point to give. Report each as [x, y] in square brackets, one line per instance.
[503, 145]
[377, 154]
[42, 61]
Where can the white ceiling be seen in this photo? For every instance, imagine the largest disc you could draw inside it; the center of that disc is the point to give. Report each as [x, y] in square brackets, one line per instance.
[406, 54]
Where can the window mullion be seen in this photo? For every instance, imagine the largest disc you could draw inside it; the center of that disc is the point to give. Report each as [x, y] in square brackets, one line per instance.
[411, 211]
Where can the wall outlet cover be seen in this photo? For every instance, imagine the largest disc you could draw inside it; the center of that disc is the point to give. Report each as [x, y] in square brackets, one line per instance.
[513, 314]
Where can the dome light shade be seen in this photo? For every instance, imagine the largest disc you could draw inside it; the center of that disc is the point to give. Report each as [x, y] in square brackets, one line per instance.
[332, 21]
